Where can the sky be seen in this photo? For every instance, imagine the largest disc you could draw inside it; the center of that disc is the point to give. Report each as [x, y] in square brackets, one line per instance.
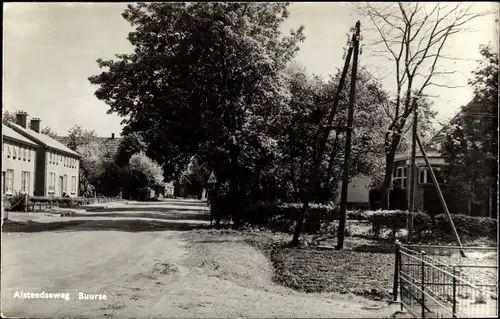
[50, 50]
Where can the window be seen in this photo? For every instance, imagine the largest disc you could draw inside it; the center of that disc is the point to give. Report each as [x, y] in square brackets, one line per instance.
[73, 184]
[425, 176]
[65, 183]
[9, 182]
[3, 182]
[399, 177]
[25, 182]
[439, 175]
[52, 182]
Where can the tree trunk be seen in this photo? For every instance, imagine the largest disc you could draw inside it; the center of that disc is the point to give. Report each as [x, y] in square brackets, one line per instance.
[384, 190]
[234, 185]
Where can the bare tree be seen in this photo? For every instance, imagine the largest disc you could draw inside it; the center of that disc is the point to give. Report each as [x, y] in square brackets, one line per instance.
[413, 36]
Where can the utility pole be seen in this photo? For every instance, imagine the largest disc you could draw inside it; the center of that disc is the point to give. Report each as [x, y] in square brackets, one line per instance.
[322, 146]
[412, 172]
[347, 156]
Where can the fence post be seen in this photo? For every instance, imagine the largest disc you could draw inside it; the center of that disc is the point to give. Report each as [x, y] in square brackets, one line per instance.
[397, 261]
[422, 284]
[454, 301]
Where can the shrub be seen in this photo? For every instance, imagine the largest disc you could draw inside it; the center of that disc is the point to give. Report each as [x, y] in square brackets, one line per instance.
[396, 220]
[143, 171]
[470, 226]
[144, 193]
[15, 202]
[276, 215]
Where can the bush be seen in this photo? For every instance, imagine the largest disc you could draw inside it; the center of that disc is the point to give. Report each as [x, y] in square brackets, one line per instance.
[470, 226]
[283, 215]
[396, 220]
[144, 193]
[15, 202]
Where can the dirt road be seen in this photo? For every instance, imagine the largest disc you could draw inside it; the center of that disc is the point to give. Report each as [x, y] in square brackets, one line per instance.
[143, 273]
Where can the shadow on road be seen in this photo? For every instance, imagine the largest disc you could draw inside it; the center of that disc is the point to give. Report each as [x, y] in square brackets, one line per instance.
[145, 209]
[170, 202]
[167, 216]
[128, 225]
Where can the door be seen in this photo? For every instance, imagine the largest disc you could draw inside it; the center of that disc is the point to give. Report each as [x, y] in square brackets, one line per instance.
[61, 183]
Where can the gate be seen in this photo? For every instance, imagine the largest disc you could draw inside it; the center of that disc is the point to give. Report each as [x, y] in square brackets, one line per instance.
[429, 286]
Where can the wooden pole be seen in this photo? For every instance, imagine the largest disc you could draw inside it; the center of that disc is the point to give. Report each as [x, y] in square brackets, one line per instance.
[440, 194]
[412, 172]
[322, 146]
[347, 156]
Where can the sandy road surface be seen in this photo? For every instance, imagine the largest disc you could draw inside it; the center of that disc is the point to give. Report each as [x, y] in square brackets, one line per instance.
[153, 274]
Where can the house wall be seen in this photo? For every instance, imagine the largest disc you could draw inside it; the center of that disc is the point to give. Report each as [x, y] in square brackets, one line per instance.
[358, 190]
[62, 165]
[18, 161]
[424, 193]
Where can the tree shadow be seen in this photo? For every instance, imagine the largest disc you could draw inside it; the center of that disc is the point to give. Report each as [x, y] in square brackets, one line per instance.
[379, 248]
[167, 216]
[170, 202]
[127, 225]
[144, 209]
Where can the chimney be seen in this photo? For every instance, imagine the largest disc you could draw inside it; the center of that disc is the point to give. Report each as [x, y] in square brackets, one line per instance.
[22, 119]
[112, 136]
[35, 124]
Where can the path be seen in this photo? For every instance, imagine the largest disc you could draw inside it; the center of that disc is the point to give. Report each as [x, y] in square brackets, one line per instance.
[144, 273]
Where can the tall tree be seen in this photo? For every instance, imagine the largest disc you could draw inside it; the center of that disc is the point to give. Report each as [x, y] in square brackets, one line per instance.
[311, 98]
[413, 36]
[205, 79]
[131, 144]
[471, 146]
[94, 157]
[8, 117]
[48, 131]
[78, 136]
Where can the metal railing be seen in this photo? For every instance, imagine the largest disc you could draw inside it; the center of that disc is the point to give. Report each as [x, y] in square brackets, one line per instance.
[428, 287]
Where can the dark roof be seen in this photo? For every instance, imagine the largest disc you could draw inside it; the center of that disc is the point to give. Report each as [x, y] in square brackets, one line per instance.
[9, 133]
[42, 139]
[110, 144]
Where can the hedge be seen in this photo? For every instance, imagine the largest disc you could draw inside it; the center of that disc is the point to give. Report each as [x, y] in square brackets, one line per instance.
[61, 201]
[396, 220]
[470, 226]
[283, 216]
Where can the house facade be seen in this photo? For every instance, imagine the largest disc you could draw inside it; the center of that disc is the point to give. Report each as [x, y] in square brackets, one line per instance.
[56, 165]
[425, 193]
[18, 163]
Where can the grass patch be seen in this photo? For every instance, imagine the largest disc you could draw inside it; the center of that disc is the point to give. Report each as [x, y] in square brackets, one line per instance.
[309, 270]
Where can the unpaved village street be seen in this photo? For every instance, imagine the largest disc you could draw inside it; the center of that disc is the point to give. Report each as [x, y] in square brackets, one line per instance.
[149, 270]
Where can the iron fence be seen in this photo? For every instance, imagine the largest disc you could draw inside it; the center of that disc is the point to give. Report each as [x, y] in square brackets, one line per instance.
[431, 286]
